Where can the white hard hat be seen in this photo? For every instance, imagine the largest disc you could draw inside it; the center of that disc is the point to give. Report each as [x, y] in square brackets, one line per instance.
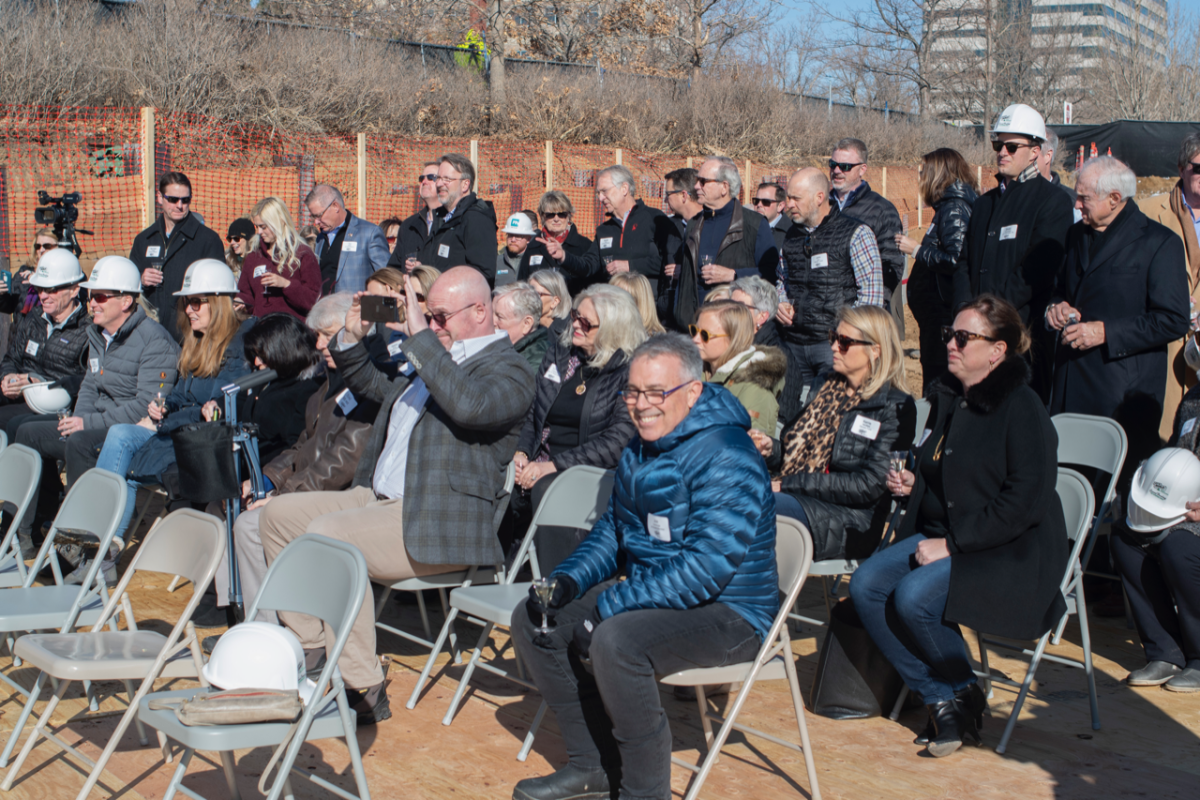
[208, 276]
[259, 655]
[1162, 487]
[520, 225]
[44, 399]
[115, 274]
[57, 267]
[1020, 118]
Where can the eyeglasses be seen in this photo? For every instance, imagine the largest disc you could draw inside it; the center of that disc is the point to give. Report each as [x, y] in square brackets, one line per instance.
[673, 191]
[654, 397]
[585, 325]
[431, 177]
[173, 200]
[315, 214]
[441, 318]
[1011, 147]
[194, 303]
[962, 337]
[443, 179]
[102, 297]
[763, 201]
[1195, 167]
[844, 343]
[704, 335]
[420, 298]
[40, 290]
[706, 181]
[556, 215]
[232, 239]
[391, 239]
[842, 166]
[46, 248]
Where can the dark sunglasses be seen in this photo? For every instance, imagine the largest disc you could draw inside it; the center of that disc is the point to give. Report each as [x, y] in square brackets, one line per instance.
[705, 336]
[102, 297]
[194, 303]
[759, 201]
[556, 215]
[585, 324]
[390, 239]
[1011, 147]
[843, 166]
[1192, 164]
[44, 247]
[707, 181]
[420, 297]
[844, 343]
[431, 177]
[232, 239]
[442, 317]
[172, 199]
[962, 337]
[40, 290]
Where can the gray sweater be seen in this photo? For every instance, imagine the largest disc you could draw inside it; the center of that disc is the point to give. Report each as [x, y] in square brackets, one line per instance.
[124, 376]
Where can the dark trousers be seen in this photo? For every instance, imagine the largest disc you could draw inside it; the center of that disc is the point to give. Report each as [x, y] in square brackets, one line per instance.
[1163, 584]
[934, 358]
[79, 452]
[613, 717]
[551, 542]
[14, 415]
[804, 361]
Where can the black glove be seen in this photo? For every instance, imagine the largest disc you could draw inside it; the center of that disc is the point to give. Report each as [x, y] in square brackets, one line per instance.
[565, 591]
[584, 631]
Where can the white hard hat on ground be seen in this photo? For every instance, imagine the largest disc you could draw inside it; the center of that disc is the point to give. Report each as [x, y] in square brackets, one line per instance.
[259, 655]
[520, 225]
[1021, 119]
[44, 399]
[1162, 487]
[115, 274]
[208, 276]
[57, 267]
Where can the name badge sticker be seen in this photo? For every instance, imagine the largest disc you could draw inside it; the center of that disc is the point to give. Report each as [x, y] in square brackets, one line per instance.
[1183, 431]
[153, 251]
[925, 436]
[658, 527]
[94, 364]
[260, 271]
[394, 348]
[819, 260]
[346, 402]
[349, 246]
[443, 251]
[606, 243]
[1008, 232]
[535, 261]
[552, 374]
[865, 427]
[31, 347]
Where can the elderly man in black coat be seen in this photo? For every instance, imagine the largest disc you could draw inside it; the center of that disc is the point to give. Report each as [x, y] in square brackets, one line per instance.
[1120, 298]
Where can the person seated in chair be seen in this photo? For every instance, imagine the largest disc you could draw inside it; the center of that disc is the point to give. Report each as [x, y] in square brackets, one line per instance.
[691, 529]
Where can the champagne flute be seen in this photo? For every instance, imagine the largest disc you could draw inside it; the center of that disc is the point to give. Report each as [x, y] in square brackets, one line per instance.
[63, 413]
[160, 403]
[544, 588]
[897, 461]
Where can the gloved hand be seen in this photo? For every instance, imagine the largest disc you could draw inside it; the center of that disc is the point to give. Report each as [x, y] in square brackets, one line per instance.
[584, 631]
[564, 592]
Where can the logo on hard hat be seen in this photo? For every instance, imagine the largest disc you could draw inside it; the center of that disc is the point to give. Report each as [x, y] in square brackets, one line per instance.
[1160, 490]
[43, 271]
[513, 223]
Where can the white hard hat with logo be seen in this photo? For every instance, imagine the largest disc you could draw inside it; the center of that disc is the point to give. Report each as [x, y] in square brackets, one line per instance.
[43, 398]
[259, 655]
[1162, 487]
[57, 267]
[208, 276]
[1021, 119]
[520, 225]
[115, 274]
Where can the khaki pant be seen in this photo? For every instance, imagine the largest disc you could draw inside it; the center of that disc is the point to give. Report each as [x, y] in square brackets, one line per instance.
[375, 527]
[251, 561]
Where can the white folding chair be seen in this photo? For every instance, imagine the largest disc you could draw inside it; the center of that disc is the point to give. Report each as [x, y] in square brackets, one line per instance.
[775, 661]
[313, 575]
[20, 468]
[186, 543]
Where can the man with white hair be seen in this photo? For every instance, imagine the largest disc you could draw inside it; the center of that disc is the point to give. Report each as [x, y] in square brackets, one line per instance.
[1120, 298]
[763, 301]
[517, 310]
[634, 237]
[349, 249]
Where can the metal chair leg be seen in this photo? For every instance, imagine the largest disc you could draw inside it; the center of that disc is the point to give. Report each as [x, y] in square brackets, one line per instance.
[34, 694]
[230, 775]
[465, 681]
[533, 729]
[433, 654]
[1016, 710]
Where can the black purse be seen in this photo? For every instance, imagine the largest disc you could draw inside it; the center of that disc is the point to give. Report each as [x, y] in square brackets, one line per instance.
[854, 679]
[204, 455]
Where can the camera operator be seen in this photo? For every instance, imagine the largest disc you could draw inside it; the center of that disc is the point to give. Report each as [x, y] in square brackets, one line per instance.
[165, 250]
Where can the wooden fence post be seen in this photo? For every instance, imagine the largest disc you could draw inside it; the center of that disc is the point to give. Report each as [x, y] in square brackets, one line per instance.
[883, 188]
[148, 201]
[549, 165]
[979, 177]
[362, 175]
[746, 190]
[620, 156]
[475, 163]
[689, 162]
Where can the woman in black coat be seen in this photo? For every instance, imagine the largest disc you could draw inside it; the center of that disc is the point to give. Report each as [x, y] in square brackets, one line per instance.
[983, 543]
[948, 186]
[561, 246]
[577, 416]
[834, 459]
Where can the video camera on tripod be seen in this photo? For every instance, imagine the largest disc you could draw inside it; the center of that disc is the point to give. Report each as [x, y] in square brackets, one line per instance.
[61, 213]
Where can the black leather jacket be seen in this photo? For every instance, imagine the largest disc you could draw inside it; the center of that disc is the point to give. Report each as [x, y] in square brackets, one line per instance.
[935, 261]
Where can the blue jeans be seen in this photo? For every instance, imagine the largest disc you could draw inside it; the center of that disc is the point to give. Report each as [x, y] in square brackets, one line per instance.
[120, 445]
[901, 606]
[787, 505]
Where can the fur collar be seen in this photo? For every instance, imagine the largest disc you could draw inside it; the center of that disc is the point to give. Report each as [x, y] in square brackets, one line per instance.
[763, 365]
[990, 393]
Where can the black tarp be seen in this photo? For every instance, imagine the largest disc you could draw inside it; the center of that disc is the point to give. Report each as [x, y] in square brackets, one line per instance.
[1149, 148]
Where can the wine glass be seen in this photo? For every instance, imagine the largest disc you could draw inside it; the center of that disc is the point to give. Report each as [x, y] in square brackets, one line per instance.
[160, 403]
[544, 588]
[897, 461]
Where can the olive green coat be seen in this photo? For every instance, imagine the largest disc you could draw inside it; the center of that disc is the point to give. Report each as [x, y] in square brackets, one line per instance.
[756, 377]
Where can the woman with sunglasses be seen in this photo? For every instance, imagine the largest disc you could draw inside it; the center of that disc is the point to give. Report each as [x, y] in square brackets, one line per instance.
[724, 333]
[281, 273]
[17, 296]
[391, 232]
[577, 416]
[983, 543]
[552, 289]
[241, 231]
[560, 245]
[384, 343]
[947, 185]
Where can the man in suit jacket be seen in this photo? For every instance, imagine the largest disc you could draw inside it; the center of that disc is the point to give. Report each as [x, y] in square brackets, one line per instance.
[425, 492]
[349, 249]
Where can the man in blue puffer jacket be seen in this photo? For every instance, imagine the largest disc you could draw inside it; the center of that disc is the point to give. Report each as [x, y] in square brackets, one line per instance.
[678, 573]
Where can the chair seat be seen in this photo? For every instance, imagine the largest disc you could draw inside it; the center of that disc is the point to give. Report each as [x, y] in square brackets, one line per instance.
[773, 670]
[445, 580]
[217, 738]
[42, 607]
[101, 656]
[493, 603]
[834, 566]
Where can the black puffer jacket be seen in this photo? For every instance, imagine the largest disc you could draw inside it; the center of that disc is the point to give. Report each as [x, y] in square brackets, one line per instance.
[468, 237]
[847, 505]
[580, 266]
[61, 357]
[877, 213]
[931, 284]
[605, 427]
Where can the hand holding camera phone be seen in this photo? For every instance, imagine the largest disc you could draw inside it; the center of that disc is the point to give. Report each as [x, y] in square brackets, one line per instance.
[382, 309]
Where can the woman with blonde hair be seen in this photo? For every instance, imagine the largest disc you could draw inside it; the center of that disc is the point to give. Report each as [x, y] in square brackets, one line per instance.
[638, 287]
[552, 289]
[280, 273]
[833, 461]
[724, 333]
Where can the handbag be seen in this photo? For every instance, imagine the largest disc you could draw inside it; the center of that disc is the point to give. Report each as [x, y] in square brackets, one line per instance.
[234, 707]
[204, 455]
[854, 679]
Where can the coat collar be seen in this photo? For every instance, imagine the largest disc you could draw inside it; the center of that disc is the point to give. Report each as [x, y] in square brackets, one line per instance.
[989, 394]
[1126, 228]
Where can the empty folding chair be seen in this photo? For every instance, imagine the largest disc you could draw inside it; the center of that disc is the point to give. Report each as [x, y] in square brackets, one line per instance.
[20, 468]
[188, 543]
[313, 575]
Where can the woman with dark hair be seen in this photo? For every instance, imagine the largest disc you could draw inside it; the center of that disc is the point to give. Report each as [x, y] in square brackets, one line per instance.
[241, 233]
[391, 232]
[947, 186]
[984, 542]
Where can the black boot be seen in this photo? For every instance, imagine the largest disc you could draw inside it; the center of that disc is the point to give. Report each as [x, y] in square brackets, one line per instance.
[569, 783]
[973, 702]
[929, 733]
[953, 726]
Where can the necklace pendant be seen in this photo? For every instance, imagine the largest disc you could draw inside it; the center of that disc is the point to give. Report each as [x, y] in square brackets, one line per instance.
[581, 388]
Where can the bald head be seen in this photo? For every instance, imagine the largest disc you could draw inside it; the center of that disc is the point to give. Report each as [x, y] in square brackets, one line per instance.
[807, 191]
[462, 294]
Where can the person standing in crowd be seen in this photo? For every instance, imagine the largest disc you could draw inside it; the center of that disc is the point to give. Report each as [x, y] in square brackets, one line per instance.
[464, 226]
[763, 301]
[174, 241]
[416, 229]
[391, 234]
[948, 187]
[348, 248]
[552, 290]
[639, 289]
[830, 260]
[518, 233]
[17, 296]
[729, 242]
[768, 201]
[833, 461]
[561, 245]
[683, 201]
[984, 543]
[678, 573]
[724, 334]
[634, 237]
[281, 273]
[577, 416]
[1046, 167]
[517, 310]
[241, 231]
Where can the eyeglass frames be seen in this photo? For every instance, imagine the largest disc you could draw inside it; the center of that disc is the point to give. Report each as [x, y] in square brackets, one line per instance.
[1011, 147]
[586, 326]
[45, 248]
[431, 177]
[556, 214]
[441, 318]
[763, 201]
[705, 336]
[842, 165]
[654, 397]
[173, 200]
[962, 337]
[844, 343]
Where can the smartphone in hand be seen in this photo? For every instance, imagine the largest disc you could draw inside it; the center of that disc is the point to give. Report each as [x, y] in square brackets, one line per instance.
[382, 309]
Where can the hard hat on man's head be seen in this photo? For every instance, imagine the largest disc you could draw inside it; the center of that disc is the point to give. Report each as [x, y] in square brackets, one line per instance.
[519, 225]
[1021, 119]
[115, 274]
[57, 267]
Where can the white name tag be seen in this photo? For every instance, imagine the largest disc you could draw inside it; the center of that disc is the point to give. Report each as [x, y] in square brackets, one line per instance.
[94, 364]
[552, 374]
[819, 260]
[346, 402]
[865, 427]
[658, 527]
[349, 247]
[259, 272]
[606, 243]
[535, 260]
[443, 251]
[925, 436]
[1187, 427]
[394, 348]
[153, 251]
[31, 347]
[1008, 232]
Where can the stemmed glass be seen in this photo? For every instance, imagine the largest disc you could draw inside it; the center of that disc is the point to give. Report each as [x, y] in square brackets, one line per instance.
[160, 402]
[63, 413]
[897, 461]
[544, 588]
